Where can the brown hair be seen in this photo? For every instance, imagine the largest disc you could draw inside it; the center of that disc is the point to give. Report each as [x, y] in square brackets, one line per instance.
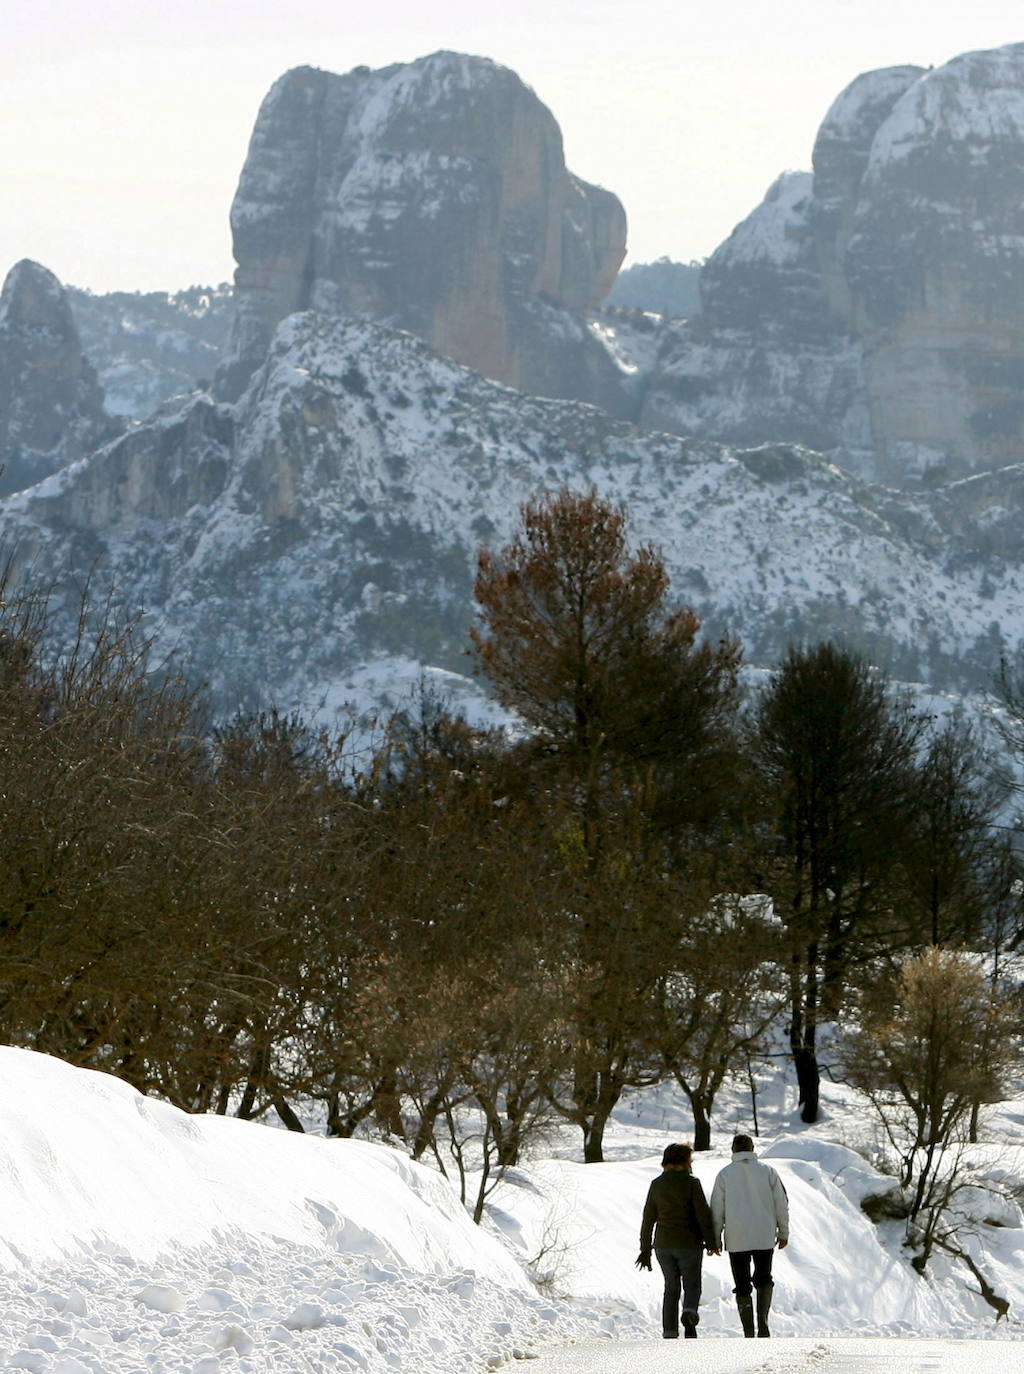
[677, 1154]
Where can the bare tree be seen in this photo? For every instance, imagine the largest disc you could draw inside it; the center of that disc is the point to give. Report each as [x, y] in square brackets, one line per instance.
[723, 995]
[930, 1043]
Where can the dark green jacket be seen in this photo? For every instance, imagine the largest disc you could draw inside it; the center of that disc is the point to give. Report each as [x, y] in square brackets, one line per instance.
[677, 1214]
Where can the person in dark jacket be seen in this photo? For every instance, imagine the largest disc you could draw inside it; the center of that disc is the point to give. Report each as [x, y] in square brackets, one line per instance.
[677, 1220]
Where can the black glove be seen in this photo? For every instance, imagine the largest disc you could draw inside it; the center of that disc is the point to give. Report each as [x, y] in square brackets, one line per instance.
[643, 1260]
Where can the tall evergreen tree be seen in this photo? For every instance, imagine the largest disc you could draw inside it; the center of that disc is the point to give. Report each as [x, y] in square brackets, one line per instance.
[836, 749]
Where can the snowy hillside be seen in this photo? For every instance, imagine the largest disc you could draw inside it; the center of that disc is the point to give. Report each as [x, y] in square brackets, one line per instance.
[329, 521]
[136, 1237]
[148, 345]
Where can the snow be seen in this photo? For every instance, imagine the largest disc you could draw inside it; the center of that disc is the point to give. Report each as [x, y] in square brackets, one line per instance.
[861, 98]
[420, 85]
[365, 696]
[843, 1357]
[977, 97]
[772, 232]
[160, 1238]
[136, 1238]
[633, 350]
[379, 190]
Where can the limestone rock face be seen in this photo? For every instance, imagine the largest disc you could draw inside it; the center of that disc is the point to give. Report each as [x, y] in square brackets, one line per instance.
[766, 362]
[51, 405]
[765, 277]
[434, 197]
[841, 152]
[875, 310]
[935, 266]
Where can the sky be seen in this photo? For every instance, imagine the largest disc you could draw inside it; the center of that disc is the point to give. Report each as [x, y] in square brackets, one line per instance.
[125, 122]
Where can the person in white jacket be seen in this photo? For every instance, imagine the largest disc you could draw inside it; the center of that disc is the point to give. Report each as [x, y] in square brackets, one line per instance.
[750, 1208]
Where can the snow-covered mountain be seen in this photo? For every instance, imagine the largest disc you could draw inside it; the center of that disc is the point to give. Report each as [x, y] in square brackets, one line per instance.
[318, 532]
[873, 309]
[332, 516]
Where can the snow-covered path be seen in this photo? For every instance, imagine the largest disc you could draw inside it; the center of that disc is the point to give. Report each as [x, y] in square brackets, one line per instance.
[137, 1240]
[829, 1355]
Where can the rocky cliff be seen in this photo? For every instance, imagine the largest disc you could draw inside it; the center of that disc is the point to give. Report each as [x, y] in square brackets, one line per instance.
[765, 362]
[935, 265]
[51, 404]
[432, 196]
[875, 309]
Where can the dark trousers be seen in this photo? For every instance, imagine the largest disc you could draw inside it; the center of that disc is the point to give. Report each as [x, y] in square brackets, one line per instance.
[740, 1261]
[682, 1271]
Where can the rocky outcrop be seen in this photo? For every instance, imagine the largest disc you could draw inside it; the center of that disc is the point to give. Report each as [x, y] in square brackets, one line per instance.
[51, 405]
[935, 265]
[876, 309]
[434, 197]
[841, 153]
[765, 363]
[765, 277]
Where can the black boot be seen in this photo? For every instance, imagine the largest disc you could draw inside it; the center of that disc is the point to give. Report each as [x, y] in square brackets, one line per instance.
[745, 1307]
[764, 1302]
[690, 1320]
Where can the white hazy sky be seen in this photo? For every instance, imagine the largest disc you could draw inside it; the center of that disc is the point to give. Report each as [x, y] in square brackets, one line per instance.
[124, 123]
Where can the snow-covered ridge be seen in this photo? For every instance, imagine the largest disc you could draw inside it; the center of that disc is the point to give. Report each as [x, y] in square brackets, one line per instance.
[975, 98]
[334, 514]
[772, 231]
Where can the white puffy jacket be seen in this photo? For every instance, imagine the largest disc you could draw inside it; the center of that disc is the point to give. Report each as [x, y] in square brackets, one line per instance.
[749, 1203]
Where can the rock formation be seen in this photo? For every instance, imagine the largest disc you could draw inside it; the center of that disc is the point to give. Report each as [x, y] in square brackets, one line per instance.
[51, 405]
[765, 362]
[842, 150]
[935, 265]
[875, 310]
[434, 197]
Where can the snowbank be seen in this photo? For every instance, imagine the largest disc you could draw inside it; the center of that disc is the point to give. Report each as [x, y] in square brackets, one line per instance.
[87, 1163]
[137, 1238]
